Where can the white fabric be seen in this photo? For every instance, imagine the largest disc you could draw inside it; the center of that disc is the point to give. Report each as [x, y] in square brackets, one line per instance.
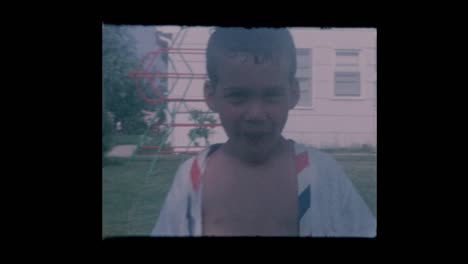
[336, 209]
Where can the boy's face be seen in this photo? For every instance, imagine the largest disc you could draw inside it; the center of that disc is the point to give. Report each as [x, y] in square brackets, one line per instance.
[252, 100]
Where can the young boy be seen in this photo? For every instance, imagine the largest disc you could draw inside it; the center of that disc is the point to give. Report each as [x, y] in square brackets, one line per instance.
[258, 183]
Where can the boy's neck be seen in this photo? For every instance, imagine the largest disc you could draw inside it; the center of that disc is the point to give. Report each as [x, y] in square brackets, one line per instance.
[255, 160]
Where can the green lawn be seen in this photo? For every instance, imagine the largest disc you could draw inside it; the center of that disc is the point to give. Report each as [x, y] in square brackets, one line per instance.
[131, 200]
[362, 171]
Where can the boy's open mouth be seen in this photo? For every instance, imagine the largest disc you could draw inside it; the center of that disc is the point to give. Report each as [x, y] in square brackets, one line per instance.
[255, 138]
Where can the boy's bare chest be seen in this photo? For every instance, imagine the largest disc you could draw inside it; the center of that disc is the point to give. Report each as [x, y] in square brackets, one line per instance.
[239, 201]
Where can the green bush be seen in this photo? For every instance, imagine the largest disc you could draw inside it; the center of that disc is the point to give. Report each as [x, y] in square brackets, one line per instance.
[203, 132]
[133, 125]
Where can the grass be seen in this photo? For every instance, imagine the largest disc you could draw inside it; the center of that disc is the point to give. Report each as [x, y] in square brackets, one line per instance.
[131, 200]
[362, 171]
[123, 139]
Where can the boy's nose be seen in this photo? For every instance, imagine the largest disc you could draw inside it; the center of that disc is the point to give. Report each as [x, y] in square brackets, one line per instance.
[255, 111]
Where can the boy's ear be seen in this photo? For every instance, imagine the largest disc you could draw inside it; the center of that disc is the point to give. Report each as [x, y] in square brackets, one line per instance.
[295, 94]
[209, 94]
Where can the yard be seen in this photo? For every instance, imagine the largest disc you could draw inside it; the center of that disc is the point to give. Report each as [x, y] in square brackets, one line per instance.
[131, 199]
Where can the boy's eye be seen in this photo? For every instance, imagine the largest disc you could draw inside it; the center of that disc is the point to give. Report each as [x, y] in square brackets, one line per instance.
[273, 97]
[237, 97]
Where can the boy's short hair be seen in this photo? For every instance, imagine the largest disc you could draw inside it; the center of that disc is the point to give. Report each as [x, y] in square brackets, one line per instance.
[262, 43]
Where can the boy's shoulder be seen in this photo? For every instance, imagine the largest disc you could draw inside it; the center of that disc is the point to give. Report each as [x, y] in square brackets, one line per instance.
[199, 157]
[319, 166]
[315, 156]
[190, 170]
[307, 155]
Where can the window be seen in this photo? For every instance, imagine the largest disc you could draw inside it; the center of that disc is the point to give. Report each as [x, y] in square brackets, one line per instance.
[303, 75]
[347, 74]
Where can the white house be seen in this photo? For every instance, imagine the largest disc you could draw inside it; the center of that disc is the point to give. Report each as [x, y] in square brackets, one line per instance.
[337, 73]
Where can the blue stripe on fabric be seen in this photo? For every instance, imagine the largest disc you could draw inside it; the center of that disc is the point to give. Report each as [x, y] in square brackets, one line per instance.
[304, 202]
[189, 216]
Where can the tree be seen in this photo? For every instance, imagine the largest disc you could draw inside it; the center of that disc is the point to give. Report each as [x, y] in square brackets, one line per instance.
[106, 133]
[120, 97]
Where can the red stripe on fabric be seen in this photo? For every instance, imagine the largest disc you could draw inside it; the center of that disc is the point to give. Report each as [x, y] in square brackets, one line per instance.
[195, 174]
[302, 161]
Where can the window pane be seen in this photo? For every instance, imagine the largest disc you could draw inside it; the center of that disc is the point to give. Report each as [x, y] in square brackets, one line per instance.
[347, 76]
[347, 52]
[347, 84]
[302, 52]
[303, 62]
[303, 73]
[347, 89]
[303, 58]
[306, 96]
